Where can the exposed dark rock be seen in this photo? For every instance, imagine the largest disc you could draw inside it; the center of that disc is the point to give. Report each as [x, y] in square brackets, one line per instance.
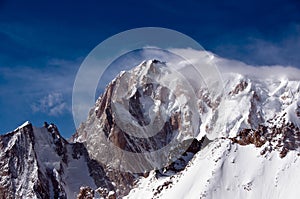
[86, 193]
[248, 136]
[289, 138]
[192, 146]
[239, 88]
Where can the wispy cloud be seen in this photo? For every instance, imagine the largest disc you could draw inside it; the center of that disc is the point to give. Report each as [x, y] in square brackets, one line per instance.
[52, 104]
[225, 65]
[50, 88]
[281, 48]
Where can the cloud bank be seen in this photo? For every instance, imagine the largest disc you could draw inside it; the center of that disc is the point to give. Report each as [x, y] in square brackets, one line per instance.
[233, 66]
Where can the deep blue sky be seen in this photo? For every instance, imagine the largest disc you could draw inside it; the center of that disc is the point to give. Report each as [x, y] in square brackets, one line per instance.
[42, 43]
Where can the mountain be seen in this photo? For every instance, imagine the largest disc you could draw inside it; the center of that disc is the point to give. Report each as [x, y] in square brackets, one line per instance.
[253, 128]
[153, 134]
[158, 118]
[39, 163]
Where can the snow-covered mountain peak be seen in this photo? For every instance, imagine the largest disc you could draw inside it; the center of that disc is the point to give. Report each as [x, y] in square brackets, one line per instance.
[27, 123]
[40, 163]
[248, 102]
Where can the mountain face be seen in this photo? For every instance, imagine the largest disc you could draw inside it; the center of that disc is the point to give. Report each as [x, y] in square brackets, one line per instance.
[142, 95]
[242, 142]
[39, 163]
[253, 128]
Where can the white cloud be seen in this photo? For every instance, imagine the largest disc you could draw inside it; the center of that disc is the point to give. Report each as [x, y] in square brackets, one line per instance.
[233, 66]
[260, 72]
[51, 104]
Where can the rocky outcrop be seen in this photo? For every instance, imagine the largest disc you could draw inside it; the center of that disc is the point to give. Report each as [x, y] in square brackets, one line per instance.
[86, 193]
[283, 139]
[193, 146]
[239, 88]
[249, 136]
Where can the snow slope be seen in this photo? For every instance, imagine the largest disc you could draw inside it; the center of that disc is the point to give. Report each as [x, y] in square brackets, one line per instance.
[71, 172]
[226, 170]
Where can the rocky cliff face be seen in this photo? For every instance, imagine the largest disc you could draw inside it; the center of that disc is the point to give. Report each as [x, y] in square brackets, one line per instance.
[139, 114]
[39, 163]
[19, 166]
